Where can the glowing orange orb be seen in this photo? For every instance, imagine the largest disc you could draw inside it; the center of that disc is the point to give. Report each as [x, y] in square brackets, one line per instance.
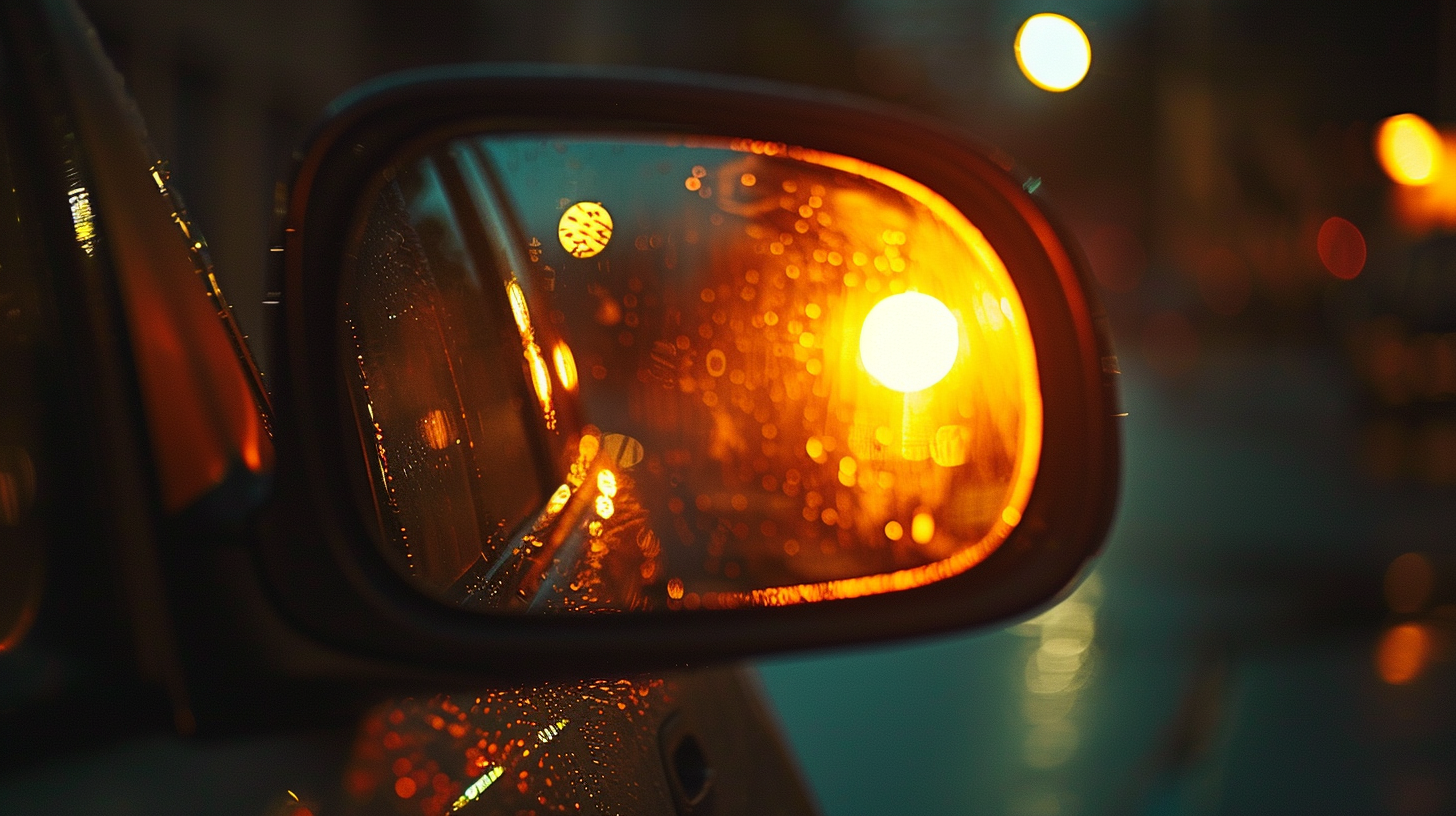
[1409, 149]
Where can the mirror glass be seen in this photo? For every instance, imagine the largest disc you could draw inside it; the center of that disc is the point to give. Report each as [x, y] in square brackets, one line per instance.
[632, 372]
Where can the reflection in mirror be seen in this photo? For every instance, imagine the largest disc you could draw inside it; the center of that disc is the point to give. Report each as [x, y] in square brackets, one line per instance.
[612, 373]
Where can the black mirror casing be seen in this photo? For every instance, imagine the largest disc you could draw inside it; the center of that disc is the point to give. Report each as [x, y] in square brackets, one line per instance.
[318, 554]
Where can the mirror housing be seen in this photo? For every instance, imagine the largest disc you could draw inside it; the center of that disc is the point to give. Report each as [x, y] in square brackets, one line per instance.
[319, 555]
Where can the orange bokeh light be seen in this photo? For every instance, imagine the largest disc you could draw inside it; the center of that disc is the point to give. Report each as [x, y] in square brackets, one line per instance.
[404, 787]
[1403, 653]
[1409, 150]
[1430, 206]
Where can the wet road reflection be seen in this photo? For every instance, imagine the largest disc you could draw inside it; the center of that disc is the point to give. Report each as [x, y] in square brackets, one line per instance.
[1268, 631]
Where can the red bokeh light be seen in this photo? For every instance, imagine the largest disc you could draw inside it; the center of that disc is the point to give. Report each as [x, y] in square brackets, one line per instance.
[1341, 247]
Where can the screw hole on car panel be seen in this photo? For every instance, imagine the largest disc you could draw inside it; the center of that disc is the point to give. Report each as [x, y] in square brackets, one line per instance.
[689, 772]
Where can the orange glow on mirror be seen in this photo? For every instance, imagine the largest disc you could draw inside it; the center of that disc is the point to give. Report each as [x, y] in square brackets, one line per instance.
[1409, 149]
[898, 431]
[802, 377]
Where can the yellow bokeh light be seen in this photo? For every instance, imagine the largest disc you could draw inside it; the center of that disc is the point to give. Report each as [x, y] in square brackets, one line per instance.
[587, 448]
[540, 378]
[565, 365]
[542, 382]
[814, 448]
[519, 310]
[1409, 149]
[584, 229]
[607, 484]
[558, 500]
[922, 528]
[1053, 52]
[909, 341]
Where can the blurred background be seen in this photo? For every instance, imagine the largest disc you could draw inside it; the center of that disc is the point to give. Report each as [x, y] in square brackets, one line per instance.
[1270, 629]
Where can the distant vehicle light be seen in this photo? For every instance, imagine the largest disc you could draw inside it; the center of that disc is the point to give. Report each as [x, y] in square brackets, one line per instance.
[1409, 149]
[1053, 52]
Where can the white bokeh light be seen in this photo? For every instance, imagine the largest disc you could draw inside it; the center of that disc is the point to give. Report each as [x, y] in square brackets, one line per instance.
[1053, 52]
[909, 341]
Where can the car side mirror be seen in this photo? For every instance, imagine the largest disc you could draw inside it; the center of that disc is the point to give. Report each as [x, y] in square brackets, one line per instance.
[629, 369]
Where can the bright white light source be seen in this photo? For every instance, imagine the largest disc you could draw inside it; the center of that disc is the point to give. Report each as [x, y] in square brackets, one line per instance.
[909, 341]
[1053, 52]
